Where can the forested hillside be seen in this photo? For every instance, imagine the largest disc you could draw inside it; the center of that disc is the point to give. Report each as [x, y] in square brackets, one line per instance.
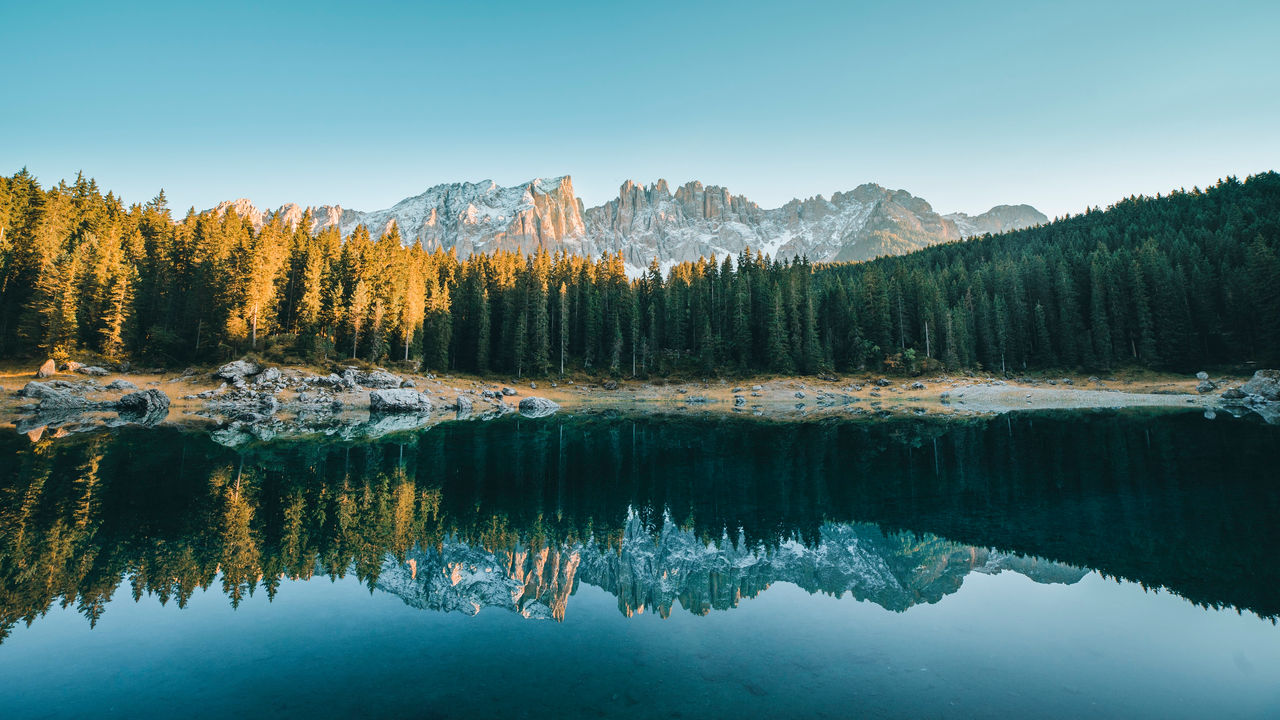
[1172, 282]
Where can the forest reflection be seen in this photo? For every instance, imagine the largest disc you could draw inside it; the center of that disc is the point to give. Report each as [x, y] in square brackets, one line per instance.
[700, 513]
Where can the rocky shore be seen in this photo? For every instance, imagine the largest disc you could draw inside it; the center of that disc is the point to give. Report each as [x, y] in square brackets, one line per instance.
[244, 401]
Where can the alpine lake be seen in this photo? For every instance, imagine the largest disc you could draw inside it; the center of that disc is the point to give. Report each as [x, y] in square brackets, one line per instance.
[1043, 564]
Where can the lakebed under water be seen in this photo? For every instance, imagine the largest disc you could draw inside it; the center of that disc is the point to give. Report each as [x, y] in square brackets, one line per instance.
[1048, 564]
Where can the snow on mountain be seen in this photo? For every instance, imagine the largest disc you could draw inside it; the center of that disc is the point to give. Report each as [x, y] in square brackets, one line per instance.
[480, 217]
[647, 222]
[654, 573]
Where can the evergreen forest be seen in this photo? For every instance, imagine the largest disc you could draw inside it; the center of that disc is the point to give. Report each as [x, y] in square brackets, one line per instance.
[1172, 282]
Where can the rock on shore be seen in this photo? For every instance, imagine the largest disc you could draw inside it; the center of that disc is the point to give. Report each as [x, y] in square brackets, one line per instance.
[1264, 384]
[144, 402]
[536, 407]
[399, 400]
[48, 369]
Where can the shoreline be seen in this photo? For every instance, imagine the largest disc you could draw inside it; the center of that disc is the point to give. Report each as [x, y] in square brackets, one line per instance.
[295, 401]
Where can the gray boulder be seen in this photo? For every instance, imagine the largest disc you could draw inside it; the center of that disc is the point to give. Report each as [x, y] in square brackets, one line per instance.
[36, 390]
[120, 385]
[351, 378]
[144, 402]
[508, 392]
[268, 377]
[332, 380]
[463, 405]
[238, 370]
[57, 399]
[1269, 412]
[536, 407]
[379, 379]
[93, 371]
[1233, 394]
[1202, 375]
[399, 400]
[48, 369]
[1205, 386]
[1264, 383]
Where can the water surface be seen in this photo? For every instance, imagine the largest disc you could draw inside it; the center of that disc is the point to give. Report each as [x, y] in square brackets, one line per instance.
[1046, 565]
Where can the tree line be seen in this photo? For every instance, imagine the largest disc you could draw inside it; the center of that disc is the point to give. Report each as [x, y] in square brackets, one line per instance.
[1171, 282]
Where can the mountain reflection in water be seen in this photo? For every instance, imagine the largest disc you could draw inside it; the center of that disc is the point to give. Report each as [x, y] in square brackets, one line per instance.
[659, 512]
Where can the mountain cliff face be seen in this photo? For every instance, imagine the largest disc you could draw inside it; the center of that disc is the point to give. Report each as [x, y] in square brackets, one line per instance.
[479, 217]
[653, 574]
[647, 222]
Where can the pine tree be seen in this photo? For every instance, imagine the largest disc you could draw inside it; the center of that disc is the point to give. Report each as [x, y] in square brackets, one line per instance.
[438, 328]
[563, 324]
[1099, 323]
[356, 314]
[539, 317]
[413, 308]
[779, 349]
[117, 312]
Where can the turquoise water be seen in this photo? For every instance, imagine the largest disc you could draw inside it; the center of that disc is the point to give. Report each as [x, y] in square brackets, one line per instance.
[1046, 565]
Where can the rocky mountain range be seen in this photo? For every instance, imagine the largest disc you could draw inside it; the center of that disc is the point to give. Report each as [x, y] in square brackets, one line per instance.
[651, 572]
[647, 222]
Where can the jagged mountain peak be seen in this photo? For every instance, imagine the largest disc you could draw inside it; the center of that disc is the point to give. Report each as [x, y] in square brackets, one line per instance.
[648, 221]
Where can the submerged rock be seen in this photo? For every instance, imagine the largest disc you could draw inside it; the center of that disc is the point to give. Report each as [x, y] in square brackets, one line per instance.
[399, 400]
[536, 407]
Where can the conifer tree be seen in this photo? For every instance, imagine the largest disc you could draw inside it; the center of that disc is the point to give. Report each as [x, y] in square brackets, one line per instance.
[356, 314]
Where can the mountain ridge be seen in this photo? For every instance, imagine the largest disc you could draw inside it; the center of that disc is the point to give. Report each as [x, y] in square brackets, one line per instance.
[648, 222]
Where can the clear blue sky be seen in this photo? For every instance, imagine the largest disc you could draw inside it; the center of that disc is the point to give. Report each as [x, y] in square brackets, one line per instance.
[967, 104]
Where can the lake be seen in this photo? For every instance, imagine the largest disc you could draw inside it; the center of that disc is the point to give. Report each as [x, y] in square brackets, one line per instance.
[1102, 564]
